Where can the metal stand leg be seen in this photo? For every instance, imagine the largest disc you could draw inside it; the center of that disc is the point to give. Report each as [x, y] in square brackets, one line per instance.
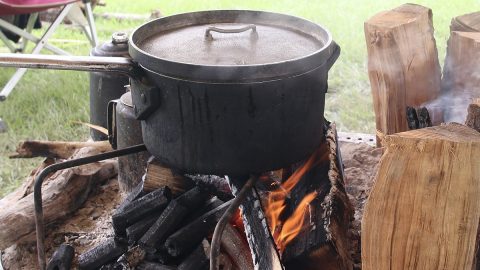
[30, 24]
[41, 43]
[37, 190]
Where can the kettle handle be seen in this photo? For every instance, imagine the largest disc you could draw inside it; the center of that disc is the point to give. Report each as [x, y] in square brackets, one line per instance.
[112, 122]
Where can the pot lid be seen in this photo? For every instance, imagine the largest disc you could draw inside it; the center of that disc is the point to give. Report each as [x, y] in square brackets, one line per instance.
[231, 46]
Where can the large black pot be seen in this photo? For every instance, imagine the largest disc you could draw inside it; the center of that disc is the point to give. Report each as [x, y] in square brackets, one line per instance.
[248, 99]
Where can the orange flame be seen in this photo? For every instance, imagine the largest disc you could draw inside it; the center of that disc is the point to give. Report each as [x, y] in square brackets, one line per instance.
[286, 232]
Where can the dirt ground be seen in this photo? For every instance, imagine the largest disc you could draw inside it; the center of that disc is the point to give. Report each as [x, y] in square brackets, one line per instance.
[92, 224]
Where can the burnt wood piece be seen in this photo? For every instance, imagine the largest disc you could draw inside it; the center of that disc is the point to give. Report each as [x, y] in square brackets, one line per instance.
[264, 252]
[237, 248]
[473, 116]
[423, 118]
[324, 237]
[62, 258]
[154, 201]
[132, 257]
[136, 193]
[209, 205]
[214, 184]
[154, 266]
[187, 237]
[139, 228]
[172, 217]
[160, 256]
[198, 259]
[225, 263]
[107, 251]
[412, 119]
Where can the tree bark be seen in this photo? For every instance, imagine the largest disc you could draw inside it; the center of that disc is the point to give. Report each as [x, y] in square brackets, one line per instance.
[473, 116]
[423, 210]
[403, 64]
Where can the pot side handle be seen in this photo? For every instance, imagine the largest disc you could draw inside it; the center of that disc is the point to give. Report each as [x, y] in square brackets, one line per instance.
[112, 122]
[335, 52]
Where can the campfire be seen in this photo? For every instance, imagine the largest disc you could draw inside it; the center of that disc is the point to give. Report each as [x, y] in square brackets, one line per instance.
[207, 180]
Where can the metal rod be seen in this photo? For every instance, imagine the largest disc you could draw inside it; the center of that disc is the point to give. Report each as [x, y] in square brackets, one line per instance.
[37, 189]
[226, 217]
[81, 63]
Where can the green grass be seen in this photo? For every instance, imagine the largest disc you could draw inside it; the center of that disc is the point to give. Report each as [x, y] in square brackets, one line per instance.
[45, 104]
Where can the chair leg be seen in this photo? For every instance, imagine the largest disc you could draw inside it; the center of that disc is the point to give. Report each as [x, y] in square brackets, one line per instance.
[41, 43]
[7, 42]
[30, 23]
[3, 126]
[91, 24]
[14, 29]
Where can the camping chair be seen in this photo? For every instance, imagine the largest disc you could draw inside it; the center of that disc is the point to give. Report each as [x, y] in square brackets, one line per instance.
[69, 8]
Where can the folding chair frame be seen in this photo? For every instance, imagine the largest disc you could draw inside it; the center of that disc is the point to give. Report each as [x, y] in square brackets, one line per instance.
[42, 42]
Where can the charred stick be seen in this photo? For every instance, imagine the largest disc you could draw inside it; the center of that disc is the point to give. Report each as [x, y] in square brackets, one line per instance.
[198, 259]
[208, 206]
[412, 119]
[154, 266]
[139, 228]
[238, 250]
[160, 256]
[225, 219]
[214, 184]
[61, 258]
[132, 257]
[107, 251]
[163, 226]
[187, 237]
[154, 201]
[172, 217]
[423, 118]
[135, 194]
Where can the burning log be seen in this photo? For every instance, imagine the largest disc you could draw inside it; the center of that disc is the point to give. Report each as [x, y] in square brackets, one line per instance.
[237, 249]
[57, 149]
[157, 175]
[402, 64]
[154, 201]
[198, 259]
[107, 251]
[316, 212]
[187, 237]
[63, 193]
[61, 258]
[264, 252]
[214, 184]
[421, 171]
[171, 217]
[473, 116]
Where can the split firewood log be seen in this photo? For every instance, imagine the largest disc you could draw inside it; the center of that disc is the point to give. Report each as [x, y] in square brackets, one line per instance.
[423, 210]
[63, 193]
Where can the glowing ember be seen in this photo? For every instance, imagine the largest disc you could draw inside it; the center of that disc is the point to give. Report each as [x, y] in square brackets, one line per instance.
[286, 232]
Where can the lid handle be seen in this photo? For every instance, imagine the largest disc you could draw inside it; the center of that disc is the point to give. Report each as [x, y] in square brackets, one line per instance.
[252, 27]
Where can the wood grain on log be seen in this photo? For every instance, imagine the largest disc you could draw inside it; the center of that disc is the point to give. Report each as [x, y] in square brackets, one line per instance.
[403, 64]
[158, 175]
[63, 193]
[423, 210]
[466, 23]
